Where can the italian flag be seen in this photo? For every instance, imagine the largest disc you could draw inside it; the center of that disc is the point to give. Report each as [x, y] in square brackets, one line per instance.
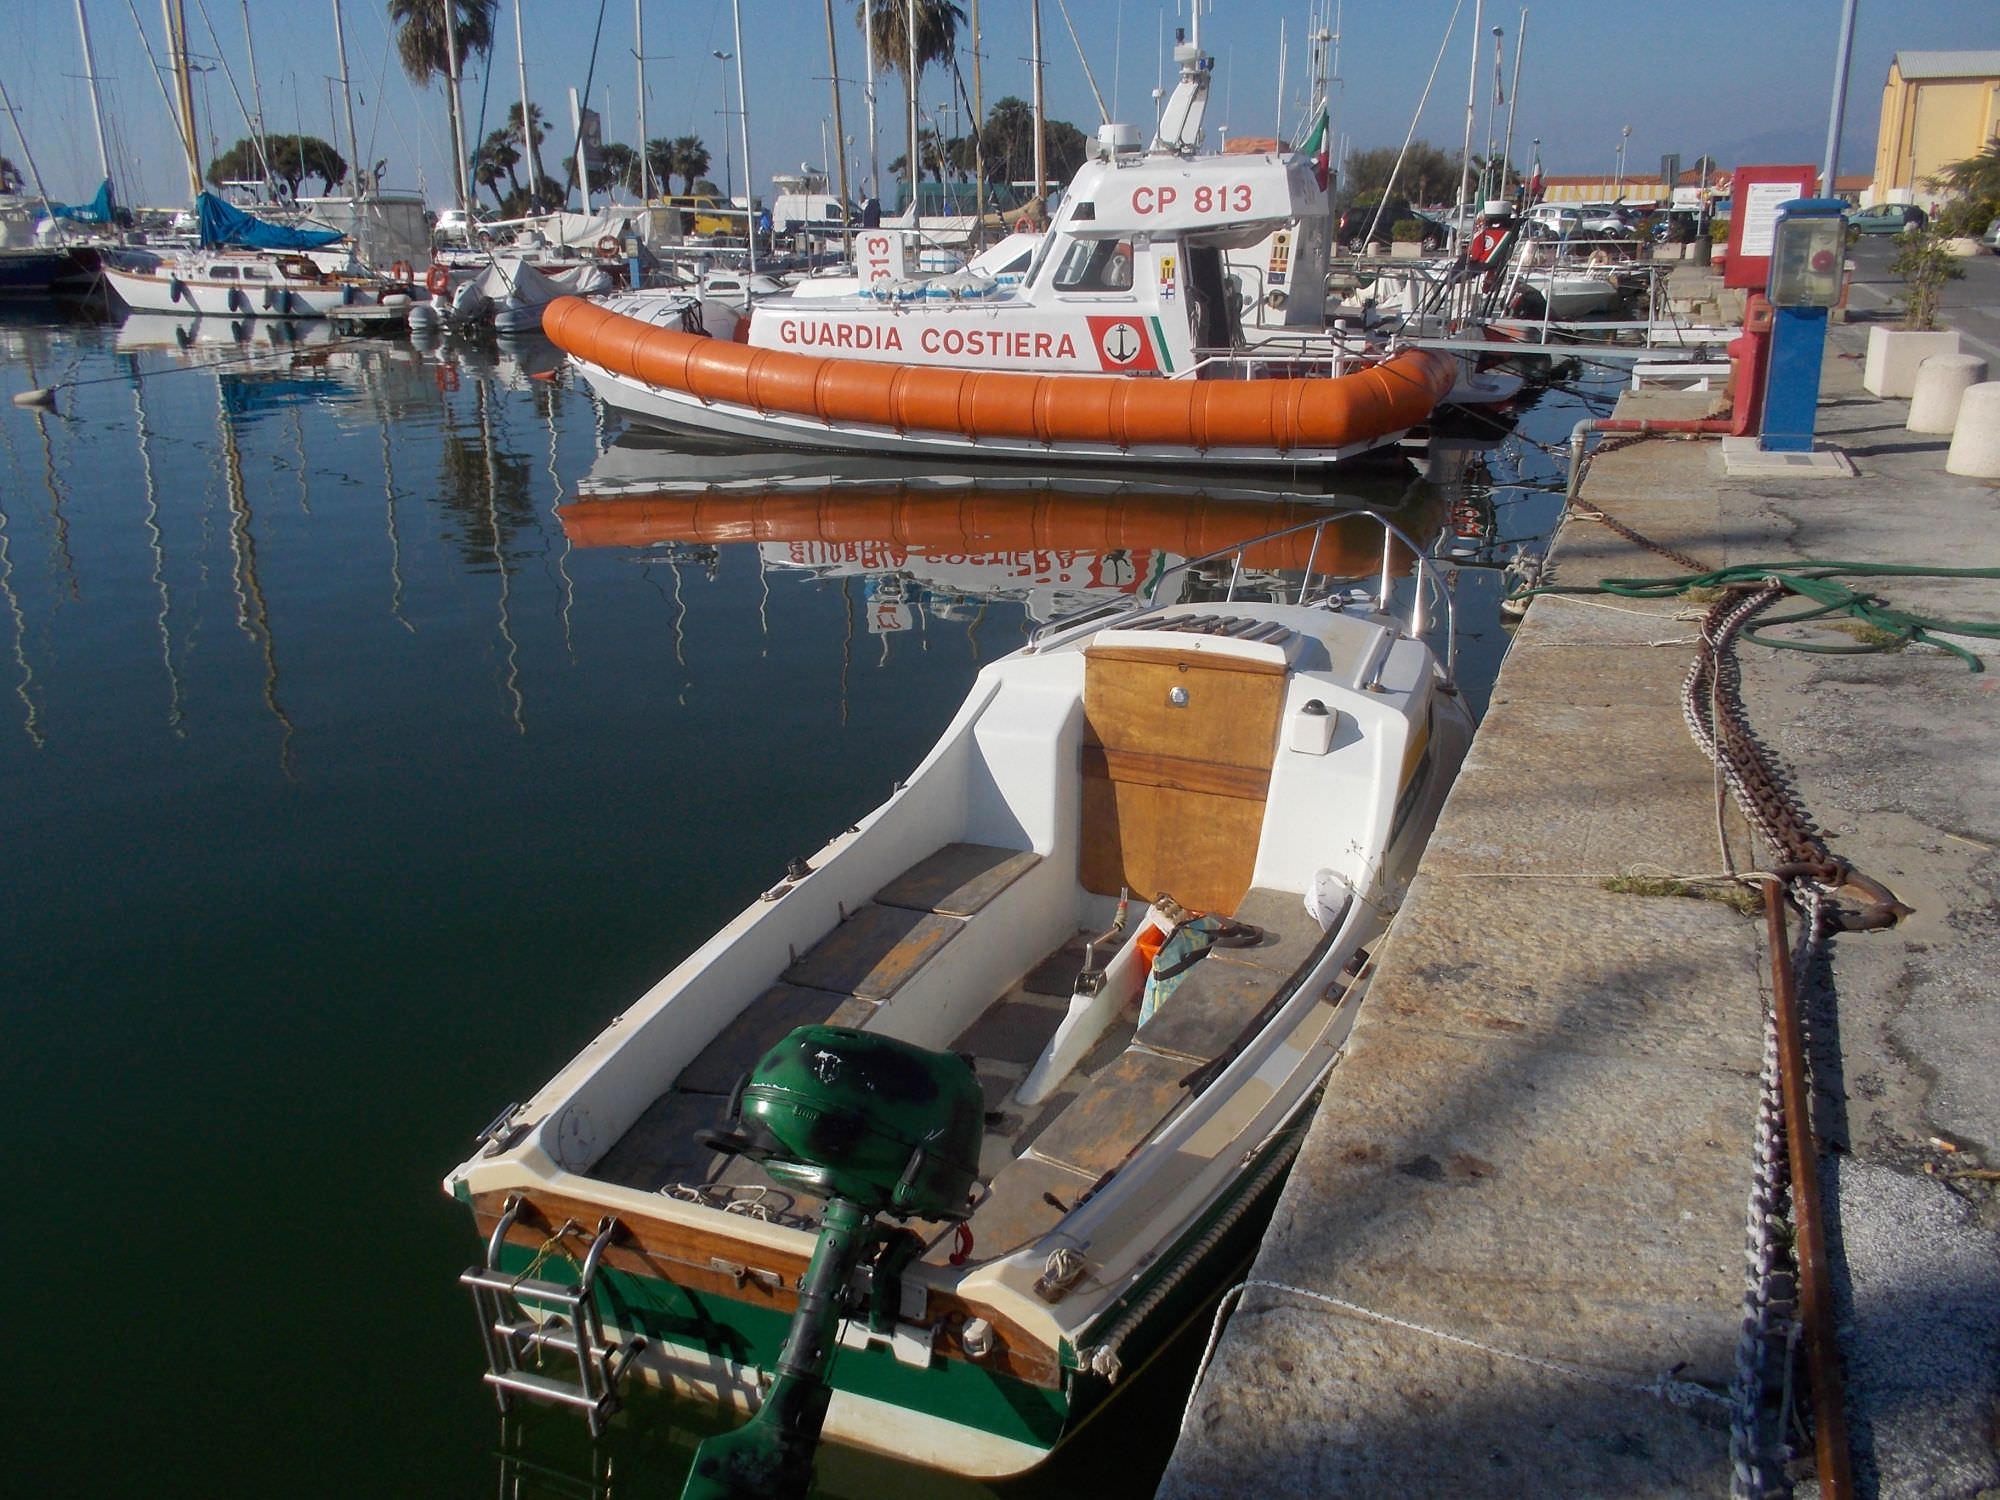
[1315, 146]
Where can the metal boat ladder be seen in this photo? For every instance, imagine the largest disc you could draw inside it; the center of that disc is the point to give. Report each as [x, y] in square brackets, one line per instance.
[568, 1326]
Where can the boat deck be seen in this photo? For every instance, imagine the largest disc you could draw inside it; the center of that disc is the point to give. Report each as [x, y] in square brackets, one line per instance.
[1036, 1162]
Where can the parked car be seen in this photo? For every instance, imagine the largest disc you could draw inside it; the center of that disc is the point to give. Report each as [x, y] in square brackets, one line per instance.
[1887, 218]
[1354, 224]
[1551, 221]
[1677, 226]
[1992, 239]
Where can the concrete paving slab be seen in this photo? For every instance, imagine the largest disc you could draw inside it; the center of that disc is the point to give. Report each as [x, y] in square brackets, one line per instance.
[1575, 966]
[1327, 1404]
[1743, 458]
[1549, 791]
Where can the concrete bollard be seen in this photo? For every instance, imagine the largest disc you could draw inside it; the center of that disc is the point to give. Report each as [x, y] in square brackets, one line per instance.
[1942, 381]
[1975, 442]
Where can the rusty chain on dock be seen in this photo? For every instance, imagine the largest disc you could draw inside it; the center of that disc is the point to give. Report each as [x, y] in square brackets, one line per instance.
[1786, 1298]
[1595, 512]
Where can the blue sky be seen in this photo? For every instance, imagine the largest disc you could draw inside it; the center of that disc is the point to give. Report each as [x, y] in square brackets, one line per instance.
[1743, 79]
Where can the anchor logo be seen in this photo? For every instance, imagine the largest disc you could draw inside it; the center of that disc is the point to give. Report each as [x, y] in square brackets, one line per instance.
[1122, 344]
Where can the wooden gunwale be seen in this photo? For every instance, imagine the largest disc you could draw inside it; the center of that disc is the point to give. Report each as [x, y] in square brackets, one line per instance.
[686, 1257]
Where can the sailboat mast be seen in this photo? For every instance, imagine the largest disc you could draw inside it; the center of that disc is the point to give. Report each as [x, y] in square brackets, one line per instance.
[916, 164]
[978, 135]
[743, 109]
[457, 113]
[257, 98]
[1041, 112]
[1278, 130]
[868, 95]
[1471, 104]
[839, 133]
[177, 58]
[527, 125]
[96, 103]
[347, 98]
[1513, 100]
[639, 53]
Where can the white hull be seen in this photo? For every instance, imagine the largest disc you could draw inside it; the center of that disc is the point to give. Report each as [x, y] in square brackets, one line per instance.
[1572, 296]
[166, 291]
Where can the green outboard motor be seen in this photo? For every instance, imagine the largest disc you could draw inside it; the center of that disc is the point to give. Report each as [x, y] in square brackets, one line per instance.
[875, 1126]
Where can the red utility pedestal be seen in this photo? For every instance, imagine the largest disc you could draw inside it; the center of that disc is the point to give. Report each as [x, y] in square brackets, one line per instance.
[1750, 358]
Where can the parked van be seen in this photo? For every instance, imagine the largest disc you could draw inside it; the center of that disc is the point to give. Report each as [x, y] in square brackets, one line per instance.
[704, 213]
[817, 213]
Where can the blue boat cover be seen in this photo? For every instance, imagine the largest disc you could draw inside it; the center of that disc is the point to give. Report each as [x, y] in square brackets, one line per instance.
[222, 224]
[97, 211]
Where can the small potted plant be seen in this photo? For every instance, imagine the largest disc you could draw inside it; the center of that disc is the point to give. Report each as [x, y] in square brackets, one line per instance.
[1406, 239]
[1925, 261]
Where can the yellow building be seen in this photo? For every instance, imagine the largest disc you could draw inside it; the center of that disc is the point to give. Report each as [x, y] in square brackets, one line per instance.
[1937, 108]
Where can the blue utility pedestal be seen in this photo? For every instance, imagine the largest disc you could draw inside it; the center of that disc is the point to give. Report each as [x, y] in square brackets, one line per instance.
[1807, 252]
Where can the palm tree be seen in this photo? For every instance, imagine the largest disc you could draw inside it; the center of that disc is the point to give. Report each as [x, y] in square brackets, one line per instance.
[537, 127]
[618, 167]
[1977, 178]
[10, 176]
[420, 42]
[684, 154]
[937, 41]
[497, 155]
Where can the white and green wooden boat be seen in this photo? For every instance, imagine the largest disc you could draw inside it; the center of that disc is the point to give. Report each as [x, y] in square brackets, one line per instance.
[1276, 754]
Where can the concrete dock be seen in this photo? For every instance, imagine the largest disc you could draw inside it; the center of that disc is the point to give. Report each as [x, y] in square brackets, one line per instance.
[1510, 1259]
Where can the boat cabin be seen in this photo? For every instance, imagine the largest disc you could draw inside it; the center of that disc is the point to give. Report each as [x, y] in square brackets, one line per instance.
[1134, 277]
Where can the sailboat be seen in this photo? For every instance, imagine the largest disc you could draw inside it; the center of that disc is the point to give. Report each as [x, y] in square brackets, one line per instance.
[248, 267]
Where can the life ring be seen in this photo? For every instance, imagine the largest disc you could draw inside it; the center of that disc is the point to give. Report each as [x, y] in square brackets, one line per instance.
[437, 280]
[400, 271]
[1024, 225]
[1599, 258]
[607, 244]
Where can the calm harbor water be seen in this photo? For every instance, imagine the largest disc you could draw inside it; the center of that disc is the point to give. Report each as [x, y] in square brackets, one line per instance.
[375, 722]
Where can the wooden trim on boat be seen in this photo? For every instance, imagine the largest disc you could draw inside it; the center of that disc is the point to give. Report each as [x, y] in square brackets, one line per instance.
[694, 1259]
[1282, 414]
[1177, 773]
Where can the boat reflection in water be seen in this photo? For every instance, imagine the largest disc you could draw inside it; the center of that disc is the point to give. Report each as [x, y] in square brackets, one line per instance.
[943, 546]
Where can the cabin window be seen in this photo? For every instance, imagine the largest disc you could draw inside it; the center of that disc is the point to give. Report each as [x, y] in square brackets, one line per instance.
[223, 273]
[1096, 266]
[252, 273]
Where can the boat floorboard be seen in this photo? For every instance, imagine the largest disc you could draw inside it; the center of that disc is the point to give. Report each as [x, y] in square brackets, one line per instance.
[1034, 1161]
[958, 880]
[1128, 1085]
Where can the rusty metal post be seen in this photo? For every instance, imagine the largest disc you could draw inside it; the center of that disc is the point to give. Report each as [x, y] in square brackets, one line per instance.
[1815, 1296]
